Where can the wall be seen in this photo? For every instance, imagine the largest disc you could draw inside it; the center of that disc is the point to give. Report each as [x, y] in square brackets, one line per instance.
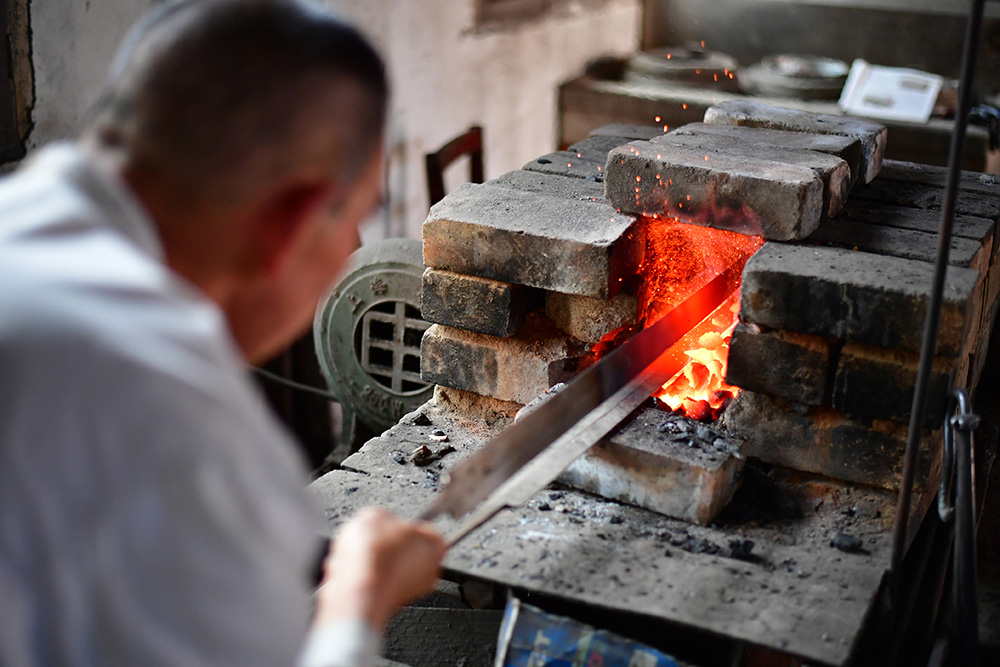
[446, 74]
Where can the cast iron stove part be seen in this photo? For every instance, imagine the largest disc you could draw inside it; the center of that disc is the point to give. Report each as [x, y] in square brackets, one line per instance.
[367, 333]
[801, 77]
[690, 66]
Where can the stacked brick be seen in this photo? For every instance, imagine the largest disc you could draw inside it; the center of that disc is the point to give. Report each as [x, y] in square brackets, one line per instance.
[526, 272]
[833, 306]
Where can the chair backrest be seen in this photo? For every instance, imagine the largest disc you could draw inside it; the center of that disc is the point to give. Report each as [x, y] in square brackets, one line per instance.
[469, 143]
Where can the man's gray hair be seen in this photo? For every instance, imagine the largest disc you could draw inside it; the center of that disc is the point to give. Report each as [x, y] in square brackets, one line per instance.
[222, 95]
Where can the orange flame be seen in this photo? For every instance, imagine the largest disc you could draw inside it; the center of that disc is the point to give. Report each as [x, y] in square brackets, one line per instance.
[678, 259]
[700, 388]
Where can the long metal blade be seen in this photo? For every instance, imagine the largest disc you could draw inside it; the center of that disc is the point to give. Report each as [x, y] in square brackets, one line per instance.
[617, 377]
[548, 465]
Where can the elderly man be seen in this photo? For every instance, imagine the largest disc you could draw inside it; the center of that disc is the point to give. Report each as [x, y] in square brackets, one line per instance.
[151, 511]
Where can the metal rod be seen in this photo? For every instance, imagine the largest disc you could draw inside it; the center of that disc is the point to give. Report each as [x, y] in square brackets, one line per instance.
[932, 320]
[964, 559]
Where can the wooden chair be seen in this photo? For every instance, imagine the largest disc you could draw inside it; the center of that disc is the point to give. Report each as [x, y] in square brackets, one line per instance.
[471, 144]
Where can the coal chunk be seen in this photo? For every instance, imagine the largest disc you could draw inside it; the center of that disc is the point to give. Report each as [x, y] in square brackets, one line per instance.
[847, 543]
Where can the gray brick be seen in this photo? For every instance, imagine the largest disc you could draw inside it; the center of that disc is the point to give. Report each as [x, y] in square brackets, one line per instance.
[514, 369]
[918, 195]
[566, 163]
[879, 383]
[628, 132]
[590, 319]
[597, 148]
[550, 184]
[779, 201]
[970, 181]
[779, 363]
[475, 304]
[753, 114]
[827, 442]
[833, 171]
[576, 247]
[917, 219]
[846, 148]
[691, 478]
[895, 242]
[852, 296]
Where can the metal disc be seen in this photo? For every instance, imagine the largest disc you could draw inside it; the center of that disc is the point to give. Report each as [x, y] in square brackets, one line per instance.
[367, 332]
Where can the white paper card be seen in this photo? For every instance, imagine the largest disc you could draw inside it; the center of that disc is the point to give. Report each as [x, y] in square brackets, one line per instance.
[889, 93]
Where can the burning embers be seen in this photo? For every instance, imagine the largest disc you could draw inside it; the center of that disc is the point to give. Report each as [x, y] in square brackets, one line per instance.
[678, 259]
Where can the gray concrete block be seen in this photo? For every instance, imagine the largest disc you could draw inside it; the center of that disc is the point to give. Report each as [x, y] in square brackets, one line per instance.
[550, 184]
[832, 170]
[576, 247]
[879, 383]
[780, 363]
[846, 148]
[568, 163]
[515, 369]
[827, 442]
[590, 319]
[664, 463]
[475, 304]
[754, 196]
[895, 242]
[753, 114]
[852, 296]
[443, 637]
[629, 132]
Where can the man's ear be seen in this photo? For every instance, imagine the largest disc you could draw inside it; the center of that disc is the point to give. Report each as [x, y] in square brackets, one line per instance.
[282, 217]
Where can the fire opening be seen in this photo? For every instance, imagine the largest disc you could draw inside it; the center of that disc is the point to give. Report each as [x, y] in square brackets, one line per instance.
[677, 259]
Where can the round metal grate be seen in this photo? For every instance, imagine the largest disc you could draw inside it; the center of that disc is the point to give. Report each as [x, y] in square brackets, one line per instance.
[387, 341]
[368, 330]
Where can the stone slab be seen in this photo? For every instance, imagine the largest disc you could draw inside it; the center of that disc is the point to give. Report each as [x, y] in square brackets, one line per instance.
[852, 296]
[515, 369]
[753, 114]
[826, 442]
[896, 242]
[475, 304]
[590, 319]
[550, 185]
[568, 163]
[879, 383]
[576, 247]
[795, 593]
[846, 148]
[664, 463]
[776, 200]
[780, 363]
[832, 170]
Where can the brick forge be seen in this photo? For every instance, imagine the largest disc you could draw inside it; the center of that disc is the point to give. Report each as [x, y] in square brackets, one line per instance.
[527, 272]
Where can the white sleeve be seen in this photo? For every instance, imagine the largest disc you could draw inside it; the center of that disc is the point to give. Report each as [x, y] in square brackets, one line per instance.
[347, 643]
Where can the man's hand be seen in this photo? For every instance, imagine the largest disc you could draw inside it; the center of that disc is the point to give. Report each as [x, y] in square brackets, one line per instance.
[376, 564]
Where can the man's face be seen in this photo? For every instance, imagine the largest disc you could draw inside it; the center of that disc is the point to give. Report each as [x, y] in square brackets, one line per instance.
[289, 300]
